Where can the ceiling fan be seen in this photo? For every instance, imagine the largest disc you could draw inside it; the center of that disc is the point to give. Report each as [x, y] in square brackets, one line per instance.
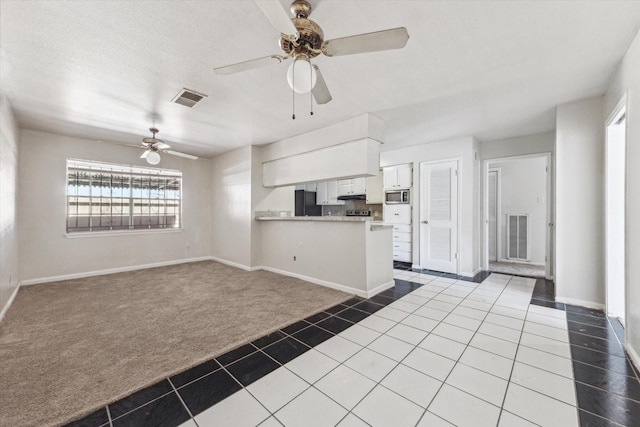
[303, 39]
[154, 146]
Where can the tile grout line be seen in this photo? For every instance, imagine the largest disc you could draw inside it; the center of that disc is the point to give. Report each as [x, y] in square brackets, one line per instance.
[350, 411]
[633, 368]
[139, 406]
[465, 349]
[513, 364]
[175, 390]
[109, 415]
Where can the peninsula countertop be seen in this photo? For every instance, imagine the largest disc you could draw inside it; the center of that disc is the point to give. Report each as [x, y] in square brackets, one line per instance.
[276, 216]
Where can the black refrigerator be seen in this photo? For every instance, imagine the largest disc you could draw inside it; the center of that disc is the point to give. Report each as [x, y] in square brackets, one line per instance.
[306, 204]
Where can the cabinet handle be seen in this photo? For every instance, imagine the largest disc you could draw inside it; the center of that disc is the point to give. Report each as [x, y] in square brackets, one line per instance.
[425, 222]
[396, 214]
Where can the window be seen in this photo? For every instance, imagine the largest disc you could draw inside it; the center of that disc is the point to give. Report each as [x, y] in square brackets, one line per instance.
[106, 197]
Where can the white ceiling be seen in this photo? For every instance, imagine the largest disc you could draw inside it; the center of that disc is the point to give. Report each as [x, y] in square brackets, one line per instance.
[107, 70]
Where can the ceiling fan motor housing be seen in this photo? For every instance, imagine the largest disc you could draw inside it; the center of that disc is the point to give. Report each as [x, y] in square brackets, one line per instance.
[309, 44]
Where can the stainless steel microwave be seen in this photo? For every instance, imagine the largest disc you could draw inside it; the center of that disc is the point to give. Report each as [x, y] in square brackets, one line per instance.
[392, 197]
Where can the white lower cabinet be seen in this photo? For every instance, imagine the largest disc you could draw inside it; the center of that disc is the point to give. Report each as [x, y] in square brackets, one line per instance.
[400, 217]
[397, 214]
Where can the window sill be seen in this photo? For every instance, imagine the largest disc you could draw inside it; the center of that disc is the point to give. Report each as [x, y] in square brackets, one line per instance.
[85, 234]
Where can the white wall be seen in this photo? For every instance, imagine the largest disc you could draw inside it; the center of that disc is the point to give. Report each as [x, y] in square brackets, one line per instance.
[519, 146]
[45, 251]
[579, 202]
[460, 148]
[9, 157]
[523, 188]
[626, 80]
[344, 255]
[231, 213]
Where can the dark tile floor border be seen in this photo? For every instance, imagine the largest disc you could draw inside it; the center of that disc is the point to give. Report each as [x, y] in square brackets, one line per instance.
[607, 384]
[606, 381]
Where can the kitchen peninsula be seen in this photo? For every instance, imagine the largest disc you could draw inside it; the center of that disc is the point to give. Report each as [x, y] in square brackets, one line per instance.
[352, 254]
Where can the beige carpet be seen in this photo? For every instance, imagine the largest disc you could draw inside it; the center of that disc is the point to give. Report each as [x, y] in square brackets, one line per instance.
[69, 347]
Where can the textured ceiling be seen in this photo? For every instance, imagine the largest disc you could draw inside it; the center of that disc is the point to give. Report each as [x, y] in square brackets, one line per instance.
[107, 70]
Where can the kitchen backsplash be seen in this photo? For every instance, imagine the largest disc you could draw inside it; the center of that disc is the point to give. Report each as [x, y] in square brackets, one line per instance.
[359, 205]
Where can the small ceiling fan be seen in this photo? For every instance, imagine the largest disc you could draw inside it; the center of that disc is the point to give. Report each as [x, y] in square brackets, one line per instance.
[303, 39]
[154, 146]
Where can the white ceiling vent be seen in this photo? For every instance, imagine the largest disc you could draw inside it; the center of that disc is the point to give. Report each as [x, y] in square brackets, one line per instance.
[188, 98]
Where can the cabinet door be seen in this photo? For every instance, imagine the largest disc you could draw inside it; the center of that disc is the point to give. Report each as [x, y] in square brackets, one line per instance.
[322, 194]
[397, 214]
[405, 173]
[390, 177]
[359, 186]
[327, 193]
[345, 187]
[332, 193]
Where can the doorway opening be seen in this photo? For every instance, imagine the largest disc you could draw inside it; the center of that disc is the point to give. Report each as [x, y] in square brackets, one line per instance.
[517, 215]
[615, 170]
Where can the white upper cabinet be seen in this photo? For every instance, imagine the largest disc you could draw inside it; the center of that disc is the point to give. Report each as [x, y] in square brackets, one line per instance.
[327, 193]
[396, 177]
[348, 187]
[359, 185]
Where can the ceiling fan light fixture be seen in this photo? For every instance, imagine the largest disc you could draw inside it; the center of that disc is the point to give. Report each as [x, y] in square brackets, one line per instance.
[153, 158]
[301, 75]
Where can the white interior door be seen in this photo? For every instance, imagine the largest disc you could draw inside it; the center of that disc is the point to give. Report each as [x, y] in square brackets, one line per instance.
[492, 215]
[439, 216]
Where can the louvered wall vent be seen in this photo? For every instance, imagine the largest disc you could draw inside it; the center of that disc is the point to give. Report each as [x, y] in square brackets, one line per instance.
[188, 98]
[518, 237]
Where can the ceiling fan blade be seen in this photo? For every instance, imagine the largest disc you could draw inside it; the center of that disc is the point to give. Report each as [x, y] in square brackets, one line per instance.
[249, 65]
[161, 146]
[395, 38]
[320, 90]
[279, 18]
[179, 154]
[144, 154]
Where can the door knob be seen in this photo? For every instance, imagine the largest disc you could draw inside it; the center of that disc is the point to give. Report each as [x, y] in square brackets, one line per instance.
[425, 222]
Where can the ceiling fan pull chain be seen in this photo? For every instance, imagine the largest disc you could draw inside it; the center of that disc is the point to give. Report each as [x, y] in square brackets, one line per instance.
[293, 92]
[311, 91]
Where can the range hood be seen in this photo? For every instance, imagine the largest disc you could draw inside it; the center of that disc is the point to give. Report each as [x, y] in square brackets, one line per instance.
[353, 197]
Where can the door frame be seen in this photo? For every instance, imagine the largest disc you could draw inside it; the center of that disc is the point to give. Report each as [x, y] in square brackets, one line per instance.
[620, 107]
[499, 218]
[417, 214]
[549, 268]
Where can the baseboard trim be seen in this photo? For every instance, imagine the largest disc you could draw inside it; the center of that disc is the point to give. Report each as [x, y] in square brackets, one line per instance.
[10, 301]
[325, 283]
[233, 264]
[465, 274]
[383, 287]
[633, 355]
[85, 274]
[580, 302]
